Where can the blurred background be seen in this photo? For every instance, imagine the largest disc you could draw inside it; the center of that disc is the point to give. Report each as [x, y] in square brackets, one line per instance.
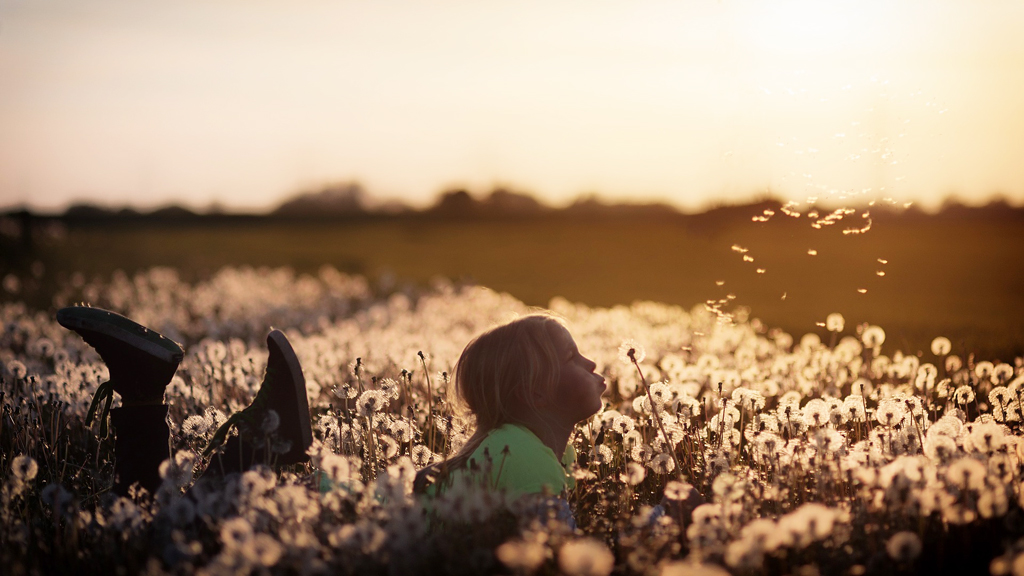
[793, 157]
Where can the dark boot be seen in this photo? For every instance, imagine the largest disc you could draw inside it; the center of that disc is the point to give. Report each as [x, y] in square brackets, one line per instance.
[281, 438]
[141, 363]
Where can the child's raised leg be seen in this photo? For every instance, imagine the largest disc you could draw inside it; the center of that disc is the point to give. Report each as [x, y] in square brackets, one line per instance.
[279, 438]
[273, 430]
[141, 363]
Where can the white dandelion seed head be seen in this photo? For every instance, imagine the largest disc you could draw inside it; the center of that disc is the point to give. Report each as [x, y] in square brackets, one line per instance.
[17, 369]
[873, 336]
[262, 550]
[521, 555]
[1002, 373]
[964, 395]
[585, 557]
[690, 568]
[24, 468]
[390, 388]
[903, 546]
[271, 421]
[422, 456]
[983, 370]
[941, 346]
[602, 454]
[370, 402]
[835, 322]
[954, 363]
[236, 532]
[401, 430]
[630, 350]
[662, 463]
[634, 474]
[623, 424]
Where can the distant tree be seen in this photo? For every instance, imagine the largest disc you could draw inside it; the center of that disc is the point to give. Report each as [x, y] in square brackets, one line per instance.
[456, 203]
[172, 212]
[339, 199]
[504, 201]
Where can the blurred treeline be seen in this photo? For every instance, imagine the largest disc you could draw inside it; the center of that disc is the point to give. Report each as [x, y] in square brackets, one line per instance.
[956, 273]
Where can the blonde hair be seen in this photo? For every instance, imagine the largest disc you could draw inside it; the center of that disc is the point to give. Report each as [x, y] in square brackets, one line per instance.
[501, 371]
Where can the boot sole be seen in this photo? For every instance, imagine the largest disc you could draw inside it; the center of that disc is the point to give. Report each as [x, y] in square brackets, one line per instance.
[277, 338]
[97, 320]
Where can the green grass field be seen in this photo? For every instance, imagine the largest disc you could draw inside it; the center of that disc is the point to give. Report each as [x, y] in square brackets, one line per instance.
[956, 275]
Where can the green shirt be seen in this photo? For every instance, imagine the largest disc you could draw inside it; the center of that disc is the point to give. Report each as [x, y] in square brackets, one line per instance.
[528, 466]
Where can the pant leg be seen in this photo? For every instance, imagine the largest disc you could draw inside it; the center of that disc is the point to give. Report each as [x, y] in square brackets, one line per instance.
[141, 439]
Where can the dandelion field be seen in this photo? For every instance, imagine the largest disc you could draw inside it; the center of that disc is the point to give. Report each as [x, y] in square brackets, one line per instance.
[815, 453]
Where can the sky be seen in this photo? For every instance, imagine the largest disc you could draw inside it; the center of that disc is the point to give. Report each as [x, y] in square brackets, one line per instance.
[243, 103]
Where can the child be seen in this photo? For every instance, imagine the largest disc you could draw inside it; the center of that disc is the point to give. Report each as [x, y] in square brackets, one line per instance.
[528, 386]
[525, 382]
[141, 363]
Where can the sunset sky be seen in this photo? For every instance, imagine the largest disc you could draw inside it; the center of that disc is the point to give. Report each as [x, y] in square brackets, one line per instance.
[243, 103]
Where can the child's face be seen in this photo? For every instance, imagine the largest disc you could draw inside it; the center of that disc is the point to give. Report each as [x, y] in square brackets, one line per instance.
[577, 395]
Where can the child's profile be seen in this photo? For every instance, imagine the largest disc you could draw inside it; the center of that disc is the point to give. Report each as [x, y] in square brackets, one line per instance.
[527, 385]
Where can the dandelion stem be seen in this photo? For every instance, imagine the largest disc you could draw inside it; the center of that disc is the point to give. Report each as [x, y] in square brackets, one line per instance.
[657, 415]
[430, 401]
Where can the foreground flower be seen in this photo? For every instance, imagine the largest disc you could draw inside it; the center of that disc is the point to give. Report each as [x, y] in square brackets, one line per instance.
[521, 556]
[586, 557]
[903, 546]
[24, 468]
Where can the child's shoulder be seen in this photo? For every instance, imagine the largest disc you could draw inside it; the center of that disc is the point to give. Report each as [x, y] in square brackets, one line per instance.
[509, 439]
[520, 462]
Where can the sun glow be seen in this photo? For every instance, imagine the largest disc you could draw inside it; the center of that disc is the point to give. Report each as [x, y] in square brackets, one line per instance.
[678, 101]
[818, 31]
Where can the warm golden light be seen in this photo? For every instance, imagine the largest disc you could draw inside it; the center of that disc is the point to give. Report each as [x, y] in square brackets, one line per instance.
[689, 102]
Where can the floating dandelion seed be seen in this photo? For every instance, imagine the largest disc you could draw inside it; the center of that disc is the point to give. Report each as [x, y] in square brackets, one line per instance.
[719, 282]
[882, 261]
[784, 295]
[812, 252]
[738, 248]
[760, 270]
[862, 290]
[748, 258]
